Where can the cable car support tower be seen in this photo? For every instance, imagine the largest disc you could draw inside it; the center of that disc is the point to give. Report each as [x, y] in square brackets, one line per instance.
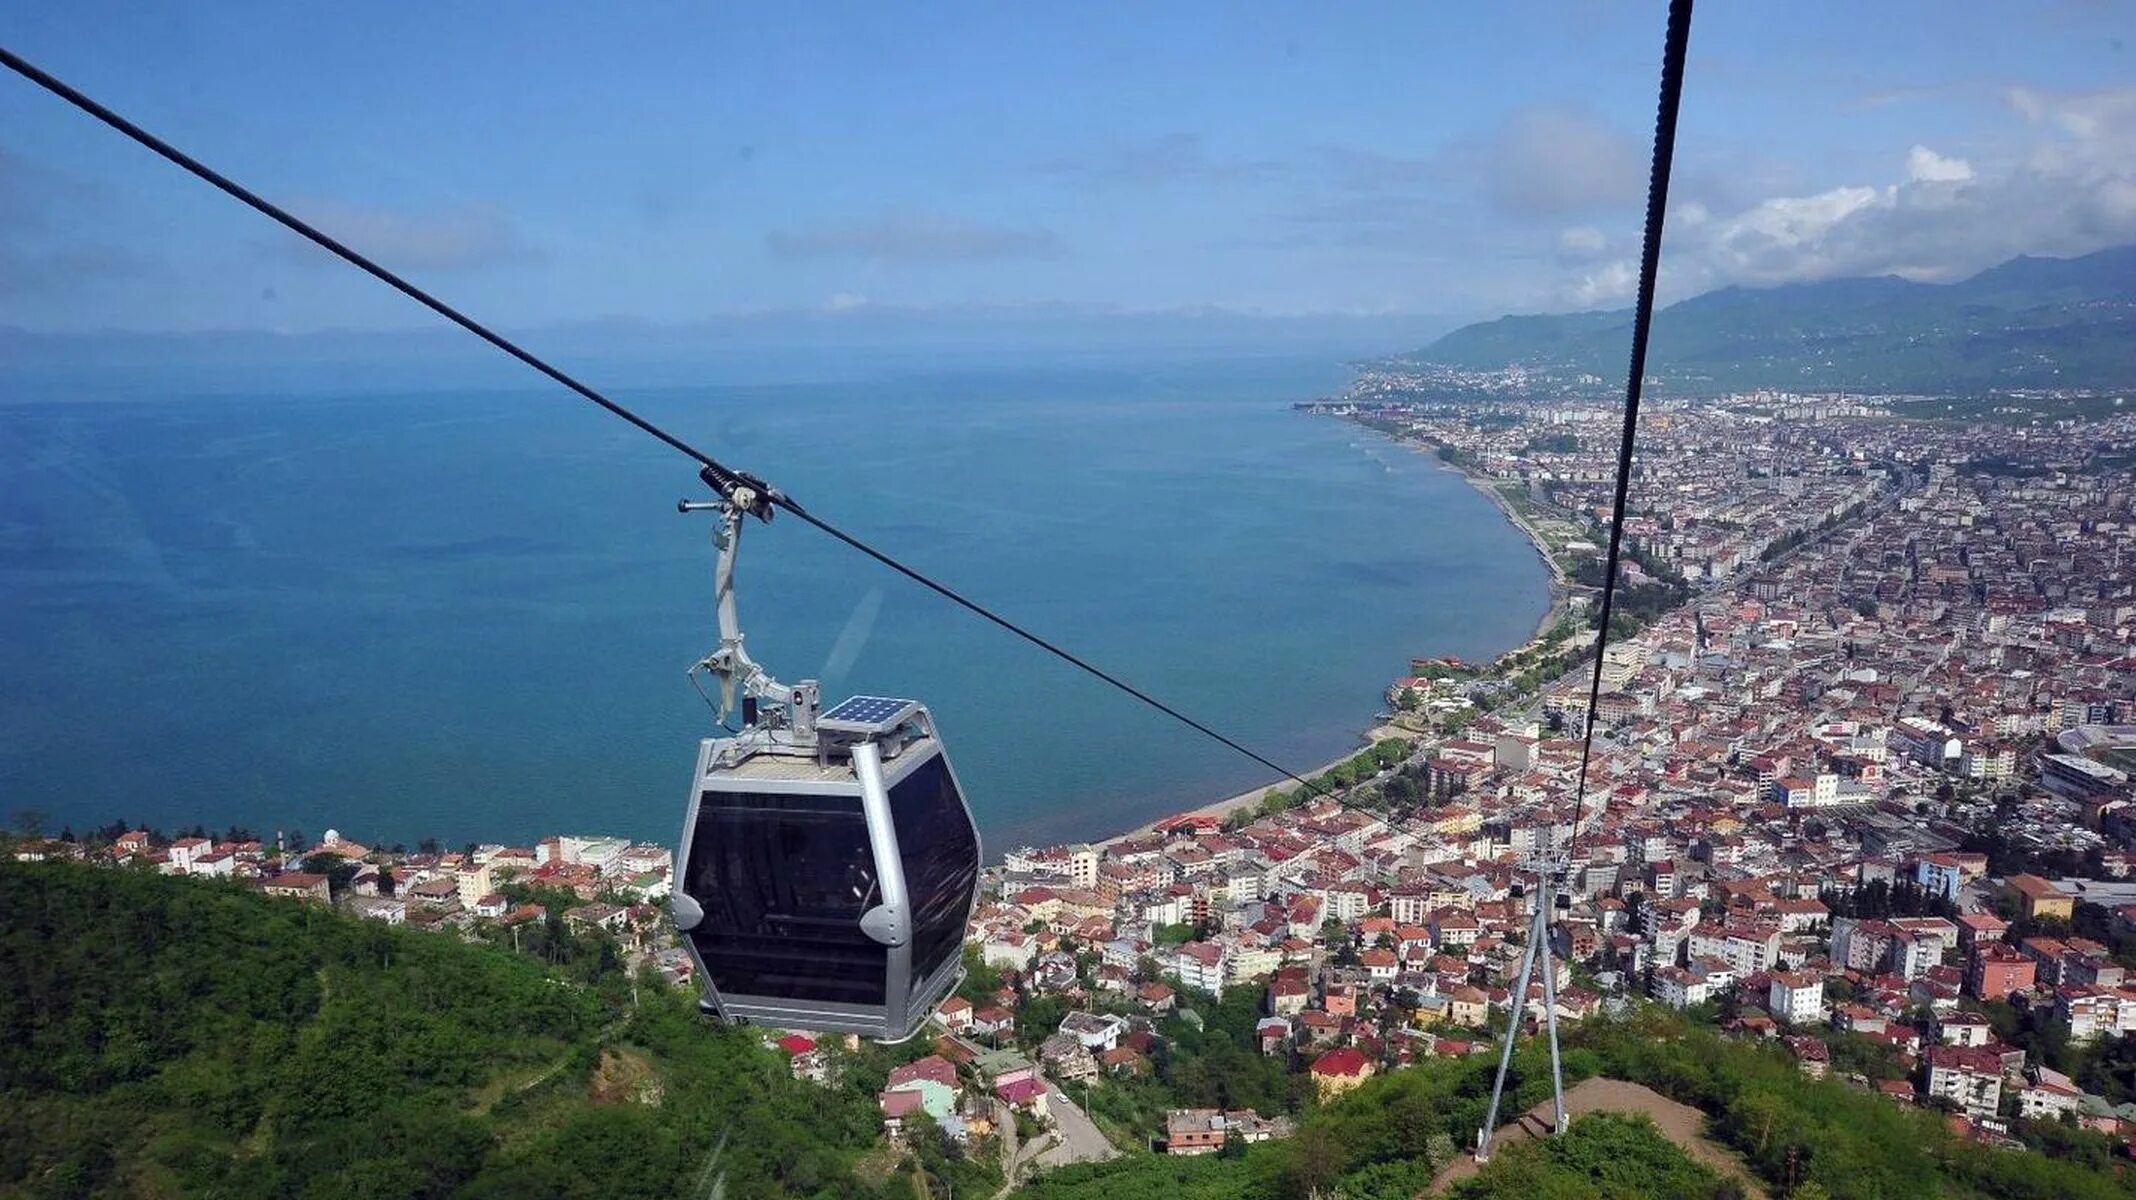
[1551, 867]
[1549, 897]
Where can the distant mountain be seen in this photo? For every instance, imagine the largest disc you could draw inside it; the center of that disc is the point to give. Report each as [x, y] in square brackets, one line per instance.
[2031, 322]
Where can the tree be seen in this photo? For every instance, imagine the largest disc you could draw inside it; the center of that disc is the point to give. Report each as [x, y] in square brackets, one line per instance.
[1414, 1120]
[203, 1089]
[338, 870]
[1316, 1160]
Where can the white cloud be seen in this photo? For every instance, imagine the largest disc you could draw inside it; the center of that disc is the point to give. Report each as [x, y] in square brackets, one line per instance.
[1924, 165]
[1581, 243]
[2066, 186]
[1613, 283]
[1787, 235]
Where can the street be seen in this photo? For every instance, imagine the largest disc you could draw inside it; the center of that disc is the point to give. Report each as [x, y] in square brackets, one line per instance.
[1075, 1137]
[1079, 1139]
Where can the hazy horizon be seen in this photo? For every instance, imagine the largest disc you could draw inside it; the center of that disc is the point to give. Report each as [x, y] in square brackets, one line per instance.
[1387, 169]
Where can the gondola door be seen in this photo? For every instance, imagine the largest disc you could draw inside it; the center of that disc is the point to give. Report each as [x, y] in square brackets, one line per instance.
[791, 891]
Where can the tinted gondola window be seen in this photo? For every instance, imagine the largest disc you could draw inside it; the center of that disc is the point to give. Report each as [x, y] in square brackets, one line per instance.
[784, 881]
[941, 857]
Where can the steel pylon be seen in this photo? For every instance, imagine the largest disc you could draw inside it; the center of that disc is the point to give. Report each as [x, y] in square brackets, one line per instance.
[1550, 880]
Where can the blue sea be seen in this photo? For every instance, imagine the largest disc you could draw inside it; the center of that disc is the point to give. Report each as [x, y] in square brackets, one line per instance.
[466, 615]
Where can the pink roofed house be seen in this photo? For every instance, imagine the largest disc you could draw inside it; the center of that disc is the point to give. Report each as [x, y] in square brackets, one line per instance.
[1025, 1094]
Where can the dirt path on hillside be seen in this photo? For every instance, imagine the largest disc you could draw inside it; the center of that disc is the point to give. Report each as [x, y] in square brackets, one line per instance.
[1680, 1123]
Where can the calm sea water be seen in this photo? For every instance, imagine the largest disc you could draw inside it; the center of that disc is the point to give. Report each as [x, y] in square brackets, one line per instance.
[467, 615]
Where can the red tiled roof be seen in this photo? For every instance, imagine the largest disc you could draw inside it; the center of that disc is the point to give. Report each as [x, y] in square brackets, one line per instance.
[1021, 1090]
[899, 1104]
[934, 1067]
[1343, 1062]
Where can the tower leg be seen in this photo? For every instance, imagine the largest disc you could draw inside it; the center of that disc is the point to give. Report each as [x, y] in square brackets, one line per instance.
[1505, 1056]
[1548, 952]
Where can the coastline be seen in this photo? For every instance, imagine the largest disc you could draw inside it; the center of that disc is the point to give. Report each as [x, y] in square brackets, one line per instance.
[1561, 590]
[1221, 809]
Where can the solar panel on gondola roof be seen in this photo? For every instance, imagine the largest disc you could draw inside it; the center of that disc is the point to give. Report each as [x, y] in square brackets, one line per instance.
[865, 709]
[867, 715]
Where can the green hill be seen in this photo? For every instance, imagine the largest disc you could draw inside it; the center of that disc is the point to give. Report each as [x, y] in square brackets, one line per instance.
[1802, 1137]
[164, 1037]
[2029, 323]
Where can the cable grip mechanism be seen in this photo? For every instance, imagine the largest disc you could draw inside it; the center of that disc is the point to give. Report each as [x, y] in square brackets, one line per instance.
[793, 706]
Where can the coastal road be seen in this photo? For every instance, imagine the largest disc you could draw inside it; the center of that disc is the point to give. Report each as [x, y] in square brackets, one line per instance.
[1080, 1140]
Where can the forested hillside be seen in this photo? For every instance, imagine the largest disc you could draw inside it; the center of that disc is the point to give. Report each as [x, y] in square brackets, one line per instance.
[165, 1037]
[1799, 1137]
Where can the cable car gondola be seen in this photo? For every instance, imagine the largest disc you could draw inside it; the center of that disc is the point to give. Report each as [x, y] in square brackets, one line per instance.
[829, 863]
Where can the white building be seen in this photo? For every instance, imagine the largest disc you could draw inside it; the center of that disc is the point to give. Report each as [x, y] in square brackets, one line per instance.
[1969, 1078]
[1796, 997]
[474, 882]
[1748, 950]
[2095, 1012]
[602, 854]
[185, 851]
[1242, 962]
[219, 864]
[1009, 949]
[1679, 988]
[388, 909]
[1083, 865]
[2048, 1099]
[1097, 1032]
[1939, 874]
[1200, 965]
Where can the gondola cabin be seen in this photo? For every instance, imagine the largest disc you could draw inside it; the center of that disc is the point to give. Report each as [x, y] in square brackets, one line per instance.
[827, 880]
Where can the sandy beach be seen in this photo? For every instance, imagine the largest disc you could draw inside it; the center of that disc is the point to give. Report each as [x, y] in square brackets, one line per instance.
[1221, 809]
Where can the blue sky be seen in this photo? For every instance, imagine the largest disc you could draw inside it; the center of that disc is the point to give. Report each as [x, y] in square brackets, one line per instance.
[548, 163]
